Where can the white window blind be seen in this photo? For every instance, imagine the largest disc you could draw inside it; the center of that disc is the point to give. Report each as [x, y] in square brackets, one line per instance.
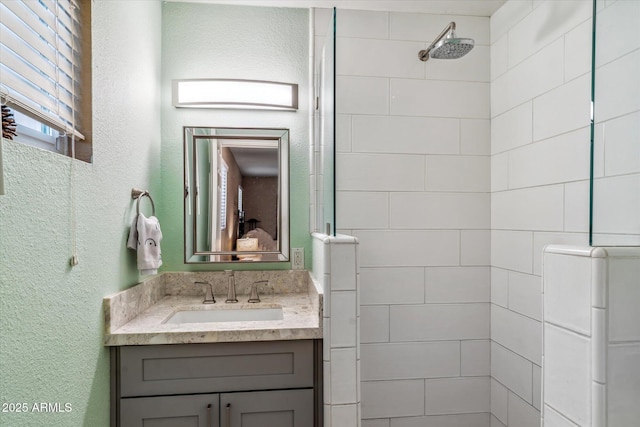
[40, 61]
[224, 169]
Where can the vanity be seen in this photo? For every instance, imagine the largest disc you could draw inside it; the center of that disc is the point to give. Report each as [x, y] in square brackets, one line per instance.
[178, 362]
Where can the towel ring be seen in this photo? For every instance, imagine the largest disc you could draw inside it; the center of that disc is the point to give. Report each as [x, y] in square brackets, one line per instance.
[139, 194]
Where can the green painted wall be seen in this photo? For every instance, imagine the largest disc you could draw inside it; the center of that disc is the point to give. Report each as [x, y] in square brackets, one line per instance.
[51, 321]
[221, 41]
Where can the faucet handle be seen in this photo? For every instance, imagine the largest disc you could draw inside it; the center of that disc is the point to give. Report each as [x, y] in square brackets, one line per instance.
[253, 297]
[208, 295]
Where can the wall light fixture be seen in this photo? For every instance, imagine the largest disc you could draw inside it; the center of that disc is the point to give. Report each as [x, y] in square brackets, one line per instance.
[230, 93]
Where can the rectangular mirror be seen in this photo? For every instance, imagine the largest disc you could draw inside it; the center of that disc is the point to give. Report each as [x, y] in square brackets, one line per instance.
[236, 195]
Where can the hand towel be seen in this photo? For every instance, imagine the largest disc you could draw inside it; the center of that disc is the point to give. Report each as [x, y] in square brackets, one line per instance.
[145, 238]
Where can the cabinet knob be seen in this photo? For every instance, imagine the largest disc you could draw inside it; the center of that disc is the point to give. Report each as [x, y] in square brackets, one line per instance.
[228, 409]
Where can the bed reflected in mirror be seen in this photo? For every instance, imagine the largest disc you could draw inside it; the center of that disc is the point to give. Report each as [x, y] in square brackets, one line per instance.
[236, 199]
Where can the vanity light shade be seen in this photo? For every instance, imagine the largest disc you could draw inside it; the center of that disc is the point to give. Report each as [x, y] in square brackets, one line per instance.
[228, 93]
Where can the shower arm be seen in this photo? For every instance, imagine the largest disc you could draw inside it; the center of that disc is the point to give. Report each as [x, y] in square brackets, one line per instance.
[424, 54]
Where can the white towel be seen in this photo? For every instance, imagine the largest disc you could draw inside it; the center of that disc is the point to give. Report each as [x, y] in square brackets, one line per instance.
[144, 237]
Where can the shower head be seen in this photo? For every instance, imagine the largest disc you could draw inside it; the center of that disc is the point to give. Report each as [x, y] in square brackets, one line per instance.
[449, 47]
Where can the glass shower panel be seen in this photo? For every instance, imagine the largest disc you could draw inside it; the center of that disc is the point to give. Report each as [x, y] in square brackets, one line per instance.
[615, 129]
[325, 151]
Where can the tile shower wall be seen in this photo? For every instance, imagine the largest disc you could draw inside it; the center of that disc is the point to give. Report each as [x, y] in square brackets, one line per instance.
[540, 107]
[413, 186]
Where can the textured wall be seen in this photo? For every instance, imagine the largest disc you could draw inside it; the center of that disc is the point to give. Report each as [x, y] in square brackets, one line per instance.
[540, 99]
[50, 314]
[233, 42]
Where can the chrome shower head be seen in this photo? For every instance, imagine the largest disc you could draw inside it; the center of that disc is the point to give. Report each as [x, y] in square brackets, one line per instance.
[450, 47]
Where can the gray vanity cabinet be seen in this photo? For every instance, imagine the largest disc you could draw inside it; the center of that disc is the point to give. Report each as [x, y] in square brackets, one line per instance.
[171, 411]
[244, 384]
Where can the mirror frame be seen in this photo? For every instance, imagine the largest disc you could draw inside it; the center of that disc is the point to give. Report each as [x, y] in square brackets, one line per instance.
[191, 134]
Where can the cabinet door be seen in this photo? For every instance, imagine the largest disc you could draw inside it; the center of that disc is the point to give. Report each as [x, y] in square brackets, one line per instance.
[171, 411]
[278, 408]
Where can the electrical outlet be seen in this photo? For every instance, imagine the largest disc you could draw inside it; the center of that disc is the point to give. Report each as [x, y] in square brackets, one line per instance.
[297, 258]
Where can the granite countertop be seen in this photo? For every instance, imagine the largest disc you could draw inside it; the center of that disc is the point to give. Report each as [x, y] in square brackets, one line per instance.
[137, 315]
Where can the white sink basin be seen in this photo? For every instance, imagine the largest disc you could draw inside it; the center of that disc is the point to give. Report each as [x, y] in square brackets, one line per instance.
[226, 315]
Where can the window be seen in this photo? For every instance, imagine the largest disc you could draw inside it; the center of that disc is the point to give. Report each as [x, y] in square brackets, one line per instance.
[44, 45]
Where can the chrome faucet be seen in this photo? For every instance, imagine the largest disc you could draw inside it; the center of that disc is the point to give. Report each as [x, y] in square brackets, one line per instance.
[231, 291]
[253, 297]
[208, 293]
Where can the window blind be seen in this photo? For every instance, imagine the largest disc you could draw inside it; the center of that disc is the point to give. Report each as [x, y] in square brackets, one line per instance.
[224, 170]
[40, 66]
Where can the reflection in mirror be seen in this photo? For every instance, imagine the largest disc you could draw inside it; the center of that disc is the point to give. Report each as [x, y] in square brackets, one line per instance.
[236, 199]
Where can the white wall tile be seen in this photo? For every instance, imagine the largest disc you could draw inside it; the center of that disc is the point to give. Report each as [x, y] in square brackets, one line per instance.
[613, 44]
[382, 399]
[475, 137]
[554, 419]
[361, 23]
[375, 423]
[439, 322]
[457, 284]
[411, 135]
[362, 209]
[559, 159]
[455, 99]
[458, 173]
[621, 150]
[458, 420]
[343, 319]
[544, 25]
[410, 360]
[624, 378]
[512, 129]
[542, 239]
[499, 400]
[500, 287]
[511, 370]
[617, 203]
[378, 58]
[426, 27]
[522, 414]
[518, 333]
[475, 247]
[496, 422]
[380, 172]
[567, 386]
[343, 376]
[392, 285]
[525, 294]
[537, 387]
[457, 395]
[476, 358]
[374, 323]
[512, 250]
[344, 415]
[536, 208]
[500, 172]
[624, 299]
[576, 43]
[499, 57]
[362, 95]
[439, 210]
[508, 15]
[532, 77]
[343, 267]
[567, 284]
[576, 206]
[408, 248]
[615, 99]
[563, 109]
[322, 16]
[343, 133]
